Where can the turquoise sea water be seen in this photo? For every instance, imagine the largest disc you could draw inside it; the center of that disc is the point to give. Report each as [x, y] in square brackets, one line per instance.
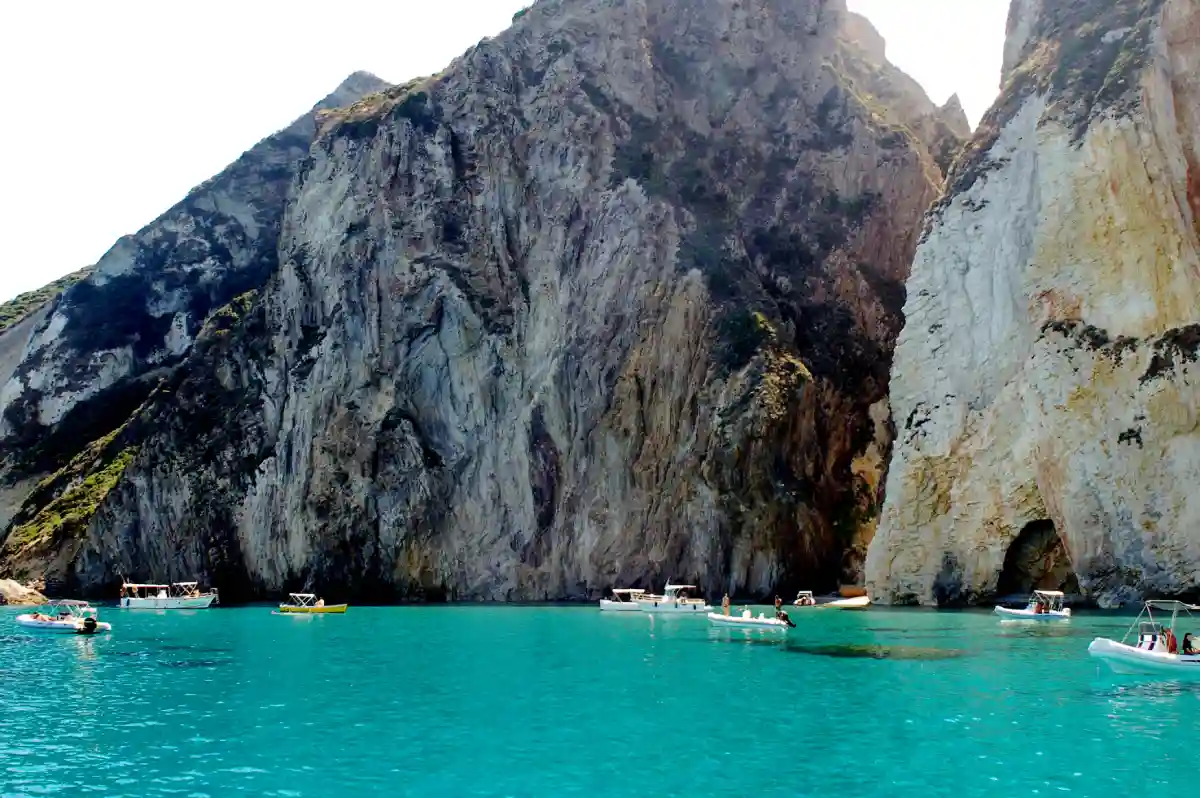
[550, 701]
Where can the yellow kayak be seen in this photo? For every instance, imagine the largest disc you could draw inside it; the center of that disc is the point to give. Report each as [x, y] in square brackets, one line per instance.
[308, 603]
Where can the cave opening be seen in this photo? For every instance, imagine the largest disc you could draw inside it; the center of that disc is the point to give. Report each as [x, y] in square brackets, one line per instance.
[1037, 560]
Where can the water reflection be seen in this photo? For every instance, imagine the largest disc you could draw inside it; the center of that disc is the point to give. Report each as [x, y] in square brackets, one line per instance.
[878, 651]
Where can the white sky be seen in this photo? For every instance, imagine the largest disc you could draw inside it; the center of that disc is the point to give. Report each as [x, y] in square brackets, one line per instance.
[113, 111]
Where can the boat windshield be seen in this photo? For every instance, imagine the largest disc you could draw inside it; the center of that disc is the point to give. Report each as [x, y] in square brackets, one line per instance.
[1147, 624]
[69, 607]
[143, 591]
[1051, 599]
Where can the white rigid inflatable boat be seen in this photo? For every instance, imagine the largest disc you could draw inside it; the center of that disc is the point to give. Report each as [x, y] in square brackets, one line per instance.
[1156, 650]
[747, 621]
[1044, 605]
[65, 617]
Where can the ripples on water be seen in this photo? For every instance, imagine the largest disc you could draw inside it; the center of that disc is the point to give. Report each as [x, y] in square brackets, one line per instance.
[450, 701]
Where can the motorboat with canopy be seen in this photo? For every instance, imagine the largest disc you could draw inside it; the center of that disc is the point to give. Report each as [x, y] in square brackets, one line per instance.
[65, 616]
[1043, 605]
[674, 600]
[624, 600]
[1155, 648]
[175, 596]
[804, 599]
[309, 604]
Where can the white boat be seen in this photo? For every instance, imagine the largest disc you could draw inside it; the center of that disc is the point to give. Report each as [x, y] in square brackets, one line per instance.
[175, 596]
[1044, 605]
[747, 621]
[1156, 650]
[856, 603]
[65, 617]
[624, 600]
[674, 601]
[804, 599]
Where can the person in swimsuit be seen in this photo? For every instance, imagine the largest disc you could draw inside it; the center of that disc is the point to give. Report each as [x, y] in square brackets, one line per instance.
[725, 604]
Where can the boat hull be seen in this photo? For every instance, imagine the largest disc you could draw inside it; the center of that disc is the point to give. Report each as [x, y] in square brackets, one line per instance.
[1029, 615]
[607, 605]
[668, 607]
[331, 609]
[856, 603]
[739, 622]
[169, 603]
[67, 627]
[1126, 659]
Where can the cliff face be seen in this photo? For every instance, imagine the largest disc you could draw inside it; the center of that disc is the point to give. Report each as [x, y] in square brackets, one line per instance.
[78, 357]
[1045, 384]
[609, 300]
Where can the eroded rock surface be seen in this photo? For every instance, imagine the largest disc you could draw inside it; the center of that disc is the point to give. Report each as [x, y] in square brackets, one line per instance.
[1047, 369]
[610, 300]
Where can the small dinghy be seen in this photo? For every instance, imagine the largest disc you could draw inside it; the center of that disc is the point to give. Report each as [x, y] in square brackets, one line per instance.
[1044, 605]
[65, 617]
[1156, 650]
[748, 621]
[309, 604]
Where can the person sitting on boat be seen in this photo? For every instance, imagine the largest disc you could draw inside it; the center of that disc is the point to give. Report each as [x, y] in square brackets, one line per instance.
[320, 602]
[1169, 639]
[1188, 648]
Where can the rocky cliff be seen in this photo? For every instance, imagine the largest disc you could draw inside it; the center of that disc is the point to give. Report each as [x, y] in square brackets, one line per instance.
[1045, 386]
[77, 357]
[609, 300]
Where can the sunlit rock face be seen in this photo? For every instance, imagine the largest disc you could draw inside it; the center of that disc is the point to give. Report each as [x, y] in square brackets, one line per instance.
[610, 300]
[1046, 371]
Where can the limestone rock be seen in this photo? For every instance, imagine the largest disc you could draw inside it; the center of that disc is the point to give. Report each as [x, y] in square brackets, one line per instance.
[1047, 369]
[79, 366]
[15, 593]
[610, 300]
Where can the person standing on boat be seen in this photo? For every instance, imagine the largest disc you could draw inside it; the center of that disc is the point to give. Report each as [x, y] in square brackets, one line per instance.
[778, 606]
[725, 604]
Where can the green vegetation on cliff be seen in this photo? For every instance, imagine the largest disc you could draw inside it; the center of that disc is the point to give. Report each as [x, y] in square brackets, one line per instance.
[18, 308]
[82, 486]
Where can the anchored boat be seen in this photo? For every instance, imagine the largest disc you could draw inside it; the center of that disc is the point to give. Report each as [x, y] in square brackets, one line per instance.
[674, 600]
[65, 617]
[175, 596]
[1156, 650]
[804, 599]
[747, 621]
[624, 600]
[309, 604]
[1044, 605]
[856, 603]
